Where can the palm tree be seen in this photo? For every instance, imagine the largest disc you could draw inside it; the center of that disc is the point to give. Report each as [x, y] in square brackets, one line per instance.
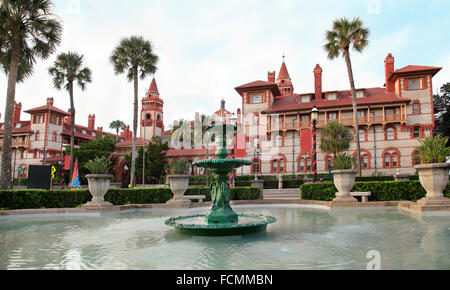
[135, 56]
[117, 125]
[335, 138]
[28, 31]
[346, 34]
[67, 69]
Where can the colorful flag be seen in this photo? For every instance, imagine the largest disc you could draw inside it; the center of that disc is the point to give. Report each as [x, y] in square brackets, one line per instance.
[306, 141]
[75, 183]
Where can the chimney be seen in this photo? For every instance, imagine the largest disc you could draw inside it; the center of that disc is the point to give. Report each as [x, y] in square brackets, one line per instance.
[318, 82]
[271, 77]
[17, 112]
[389, 67]
[100, 129]
[91, 122]
[50, 101]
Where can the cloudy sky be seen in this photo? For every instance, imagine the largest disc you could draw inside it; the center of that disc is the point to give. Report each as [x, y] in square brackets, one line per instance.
[208, 47]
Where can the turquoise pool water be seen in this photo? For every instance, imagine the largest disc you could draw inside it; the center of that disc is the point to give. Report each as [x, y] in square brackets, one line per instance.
[303, 238]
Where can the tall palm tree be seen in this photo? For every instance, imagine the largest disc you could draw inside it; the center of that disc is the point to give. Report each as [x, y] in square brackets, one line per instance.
[67, 69]
[135, 57]
[344, 35]
[117, 125]
[28, 31]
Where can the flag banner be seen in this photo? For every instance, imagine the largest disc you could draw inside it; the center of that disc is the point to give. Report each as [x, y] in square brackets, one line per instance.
[66, 162]
[306, 141]
[75, 183]
[240, 146]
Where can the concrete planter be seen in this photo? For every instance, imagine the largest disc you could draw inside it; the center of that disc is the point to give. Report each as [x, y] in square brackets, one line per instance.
[179, 183]
[434, 178]
[98, 186]
[344, 180]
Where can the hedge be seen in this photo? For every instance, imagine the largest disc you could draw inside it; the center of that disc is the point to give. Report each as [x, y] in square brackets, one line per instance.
[381, 190]
[36, 199]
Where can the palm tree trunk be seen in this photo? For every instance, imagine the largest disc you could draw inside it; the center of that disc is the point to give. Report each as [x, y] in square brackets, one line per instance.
[355, 106]
[72, 129]
[135, 116]
[5, 181]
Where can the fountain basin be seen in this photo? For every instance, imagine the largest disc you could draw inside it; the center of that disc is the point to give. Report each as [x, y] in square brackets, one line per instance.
[198, 226]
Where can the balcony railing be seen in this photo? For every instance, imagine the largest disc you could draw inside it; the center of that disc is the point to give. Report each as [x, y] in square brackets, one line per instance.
[346, 122]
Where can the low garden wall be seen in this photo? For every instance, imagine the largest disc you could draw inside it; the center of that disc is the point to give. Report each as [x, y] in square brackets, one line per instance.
[381, 191]
[38, 199]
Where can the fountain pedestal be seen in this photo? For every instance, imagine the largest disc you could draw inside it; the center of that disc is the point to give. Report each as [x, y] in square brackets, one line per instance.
[221, 219]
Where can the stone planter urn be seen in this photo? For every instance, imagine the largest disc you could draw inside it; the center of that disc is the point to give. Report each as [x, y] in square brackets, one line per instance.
[179, 183]
[344, 180]
[98, 186]
[434, 178]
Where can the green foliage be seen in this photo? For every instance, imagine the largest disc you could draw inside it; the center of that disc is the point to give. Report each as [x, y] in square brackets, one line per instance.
[155, 163]
[36, 199]
[344, 161]
[381, 191]
[98, 165]
[117, 125]
[180, 166]
[335, 138]
[434, 149]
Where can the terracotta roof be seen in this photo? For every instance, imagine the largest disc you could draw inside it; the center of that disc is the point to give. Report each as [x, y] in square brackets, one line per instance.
[374, 96]
[259, 84]
[414, 69]
[25, 128]
[283, 72]
[153, 87]
[129, 143]
[46, 108]
[222, 113]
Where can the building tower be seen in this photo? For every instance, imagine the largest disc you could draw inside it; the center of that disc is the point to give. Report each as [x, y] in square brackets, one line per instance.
[152, 123]
[284, 81]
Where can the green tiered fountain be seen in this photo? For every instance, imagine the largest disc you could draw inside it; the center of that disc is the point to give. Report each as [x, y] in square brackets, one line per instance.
[221, 219]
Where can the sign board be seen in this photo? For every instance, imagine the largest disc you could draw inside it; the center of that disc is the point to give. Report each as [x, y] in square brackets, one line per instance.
[39, 177]
[20, 169]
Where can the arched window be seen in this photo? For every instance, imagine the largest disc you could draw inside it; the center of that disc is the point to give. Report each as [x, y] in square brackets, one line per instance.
[304, 164]
[391, 158]
[55, 137]
[158, 118]
[278, 165]
[36, 136]
[148, 117]
[362, 135]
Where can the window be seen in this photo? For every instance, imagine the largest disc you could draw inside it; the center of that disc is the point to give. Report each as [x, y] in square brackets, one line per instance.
[416, 108]
[360, 94]
[362, 135]
[308, 164]
[305, 118]
[256, 119]
[83, 131]
[301, 164]
[391, 159]
[390, 134]
[55, 137]
[256, 99]
[361, 114]
[329, 162]
[364, 161]
[332, 116]
[274, 165]
[331, 96]
[282, 165]
[306, 99]
[389, 112]
[416, 132]
[18, 125]
[413, 84]
[36, 136]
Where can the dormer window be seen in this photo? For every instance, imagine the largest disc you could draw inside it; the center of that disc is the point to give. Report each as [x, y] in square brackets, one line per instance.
[256, 99]
[414, 84]
[84, 131]
[332, 96]
[360, 94]
[306, 99]
[18, 125]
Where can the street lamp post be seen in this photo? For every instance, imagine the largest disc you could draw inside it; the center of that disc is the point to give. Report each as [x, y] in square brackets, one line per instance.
[314, 119]
[257, 155]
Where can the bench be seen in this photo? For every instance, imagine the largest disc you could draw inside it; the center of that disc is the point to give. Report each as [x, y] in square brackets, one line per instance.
[200, 198]
[364, 196]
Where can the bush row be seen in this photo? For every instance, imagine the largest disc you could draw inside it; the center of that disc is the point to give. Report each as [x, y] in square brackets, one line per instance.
[36, 199]
[381, 190]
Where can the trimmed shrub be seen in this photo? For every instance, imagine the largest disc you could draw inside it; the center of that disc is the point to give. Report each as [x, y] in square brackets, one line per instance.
[36, 199]
[381, 190]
